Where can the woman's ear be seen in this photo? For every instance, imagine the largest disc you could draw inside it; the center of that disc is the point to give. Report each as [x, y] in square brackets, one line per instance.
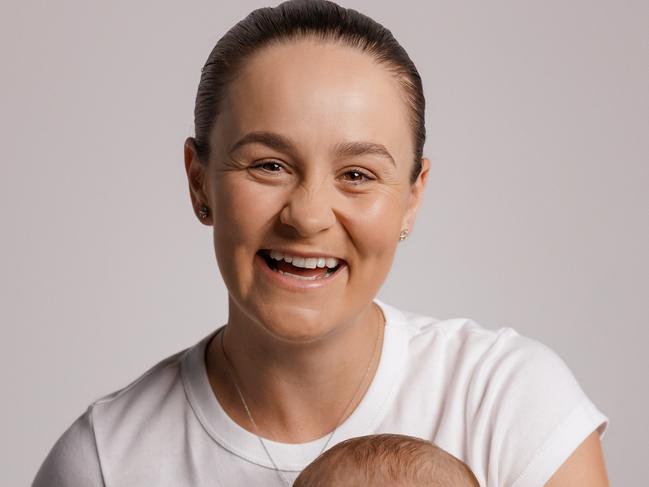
[416, 195]
[195, 170]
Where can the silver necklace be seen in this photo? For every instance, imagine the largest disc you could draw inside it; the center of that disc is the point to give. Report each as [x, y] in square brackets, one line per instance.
[245, 405]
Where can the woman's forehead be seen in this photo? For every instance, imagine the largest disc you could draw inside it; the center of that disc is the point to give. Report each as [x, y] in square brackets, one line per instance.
[321, 94]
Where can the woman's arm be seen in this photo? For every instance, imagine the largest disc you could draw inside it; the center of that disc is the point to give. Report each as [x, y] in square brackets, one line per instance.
[585, 467]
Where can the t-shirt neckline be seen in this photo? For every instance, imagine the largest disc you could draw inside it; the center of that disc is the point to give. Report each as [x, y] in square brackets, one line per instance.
[295, 456]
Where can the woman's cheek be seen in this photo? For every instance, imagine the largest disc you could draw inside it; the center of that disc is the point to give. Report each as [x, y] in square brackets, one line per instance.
[373, 226]
[375, 219]
[246, 207]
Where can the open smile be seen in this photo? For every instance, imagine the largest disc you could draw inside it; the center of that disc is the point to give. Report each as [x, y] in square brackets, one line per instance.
[298, 271]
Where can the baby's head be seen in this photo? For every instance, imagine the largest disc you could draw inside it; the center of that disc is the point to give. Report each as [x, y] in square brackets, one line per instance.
[386, 460]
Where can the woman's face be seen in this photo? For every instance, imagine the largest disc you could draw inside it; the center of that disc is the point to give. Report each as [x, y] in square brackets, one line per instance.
[310, 162]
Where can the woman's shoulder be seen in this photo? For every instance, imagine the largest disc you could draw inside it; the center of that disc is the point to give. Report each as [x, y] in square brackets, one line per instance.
[73, 460]
[499, 369]
[117, 418]
[156, 380]
[155, 394]
[505, 390]
[460, 337]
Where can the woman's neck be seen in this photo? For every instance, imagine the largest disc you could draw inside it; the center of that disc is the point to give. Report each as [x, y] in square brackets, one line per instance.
[296, 392]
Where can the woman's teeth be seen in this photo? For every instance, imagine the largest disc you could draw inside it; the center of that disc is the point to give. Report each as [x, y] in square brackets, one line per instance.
[306, 263]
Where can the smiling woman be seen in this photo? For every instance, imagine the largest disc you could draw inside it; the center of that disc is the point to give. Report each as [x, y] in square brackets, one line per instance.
[301, 163]
[307, 164]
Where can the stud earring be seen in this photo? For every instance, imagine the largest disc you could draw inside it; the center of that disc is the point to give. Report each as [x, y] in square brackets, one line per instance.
[403, 235]
[203, 211]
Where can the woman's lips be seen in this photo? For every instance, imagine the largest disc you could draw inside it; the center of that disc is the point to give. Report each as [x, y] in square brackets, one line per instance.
[301, 259]
[299, 272]
[294, 278]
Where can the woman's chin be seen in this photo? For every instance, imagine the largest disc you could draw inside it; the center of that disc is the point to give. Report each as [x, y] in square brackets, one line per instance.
[296, 326]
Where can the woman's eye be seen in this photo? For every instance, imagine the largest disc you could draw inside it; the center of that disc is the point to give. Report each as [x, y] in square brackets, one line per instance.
[355, 176]
[268, 166]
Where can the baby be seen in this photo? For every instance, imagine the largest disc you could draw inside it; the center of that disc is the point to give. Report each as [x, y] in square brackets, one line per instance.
[386, 460]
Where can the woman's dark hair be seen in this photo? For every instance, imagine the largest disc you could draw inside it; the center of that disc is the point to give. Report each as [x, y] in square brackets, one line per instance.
[304, 19]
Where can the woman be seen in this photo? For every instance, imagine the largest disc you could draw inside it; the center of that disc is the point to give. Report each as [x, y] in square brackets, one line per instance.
[307, 163]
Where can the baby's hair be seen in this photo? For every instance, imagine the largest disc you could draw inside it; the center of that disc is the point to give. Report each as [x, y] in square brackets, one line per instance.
[386, 459]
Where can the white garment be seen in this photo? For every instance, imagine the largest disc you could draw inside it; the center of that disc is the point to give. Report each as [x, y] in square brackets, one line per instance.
[506, 405]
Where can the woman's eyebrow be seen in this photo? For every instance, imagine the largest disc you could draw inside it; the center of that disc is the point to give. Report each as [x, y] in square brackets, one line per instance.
[284, 144]
[269, 139]
[360, 148]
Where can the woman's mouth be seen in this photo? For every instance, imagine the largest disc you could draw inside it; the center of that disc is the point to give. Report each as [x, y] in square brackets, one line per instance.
[301, 268]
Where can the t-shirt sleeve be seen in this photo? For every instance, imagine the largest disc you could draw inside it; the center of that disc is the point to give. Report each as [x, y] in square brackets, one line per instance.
[530, 410]
[73, 460]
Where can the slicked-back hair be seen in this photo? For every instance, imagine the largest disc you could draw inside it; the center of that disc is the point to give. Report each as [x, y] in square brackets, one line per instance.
[386, 459]
[293, 20]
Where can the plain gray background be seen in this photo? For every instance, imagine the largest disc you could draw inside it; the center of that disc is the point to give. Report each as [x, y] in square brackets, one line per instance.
[535, 215]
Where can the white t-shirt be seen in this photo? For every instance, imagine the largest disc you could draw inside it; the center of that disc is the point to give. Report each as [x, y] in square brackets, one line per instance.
[506, 405]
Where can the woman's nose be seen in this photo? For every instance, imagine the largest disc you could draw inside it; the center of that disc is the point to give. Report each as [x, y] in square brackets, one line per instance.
[309, 210]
